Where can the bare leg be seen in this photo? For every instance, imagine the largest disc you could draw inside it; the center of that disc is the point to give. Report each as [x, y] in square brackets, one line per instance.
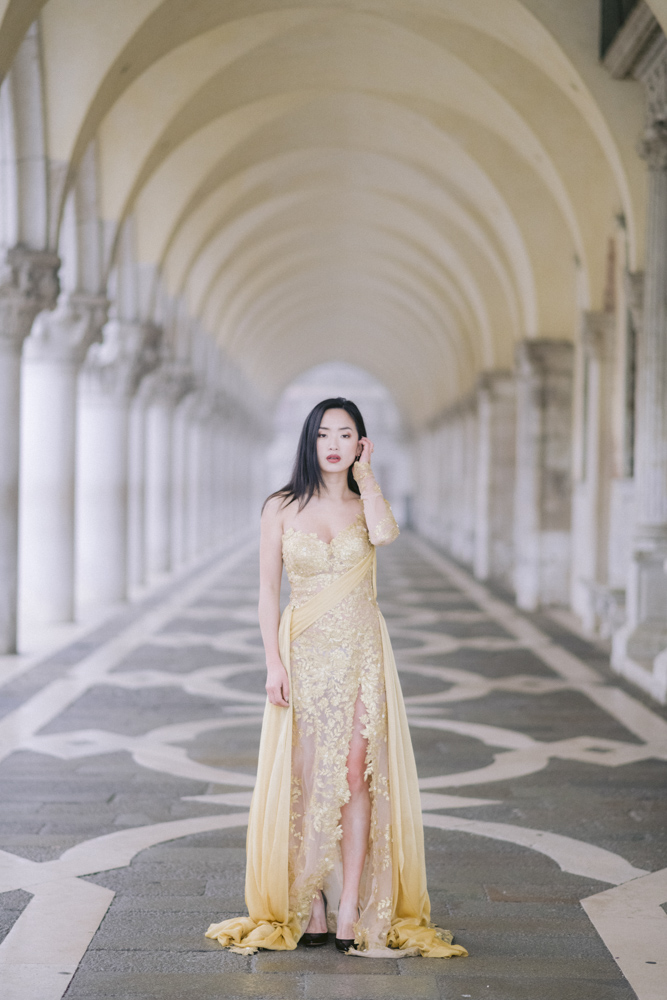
[356, 822]
[317, 923]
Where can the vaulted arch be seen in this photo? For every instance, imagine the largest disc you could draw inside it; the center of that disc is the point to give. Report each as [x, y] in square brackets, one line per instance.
[220, 129]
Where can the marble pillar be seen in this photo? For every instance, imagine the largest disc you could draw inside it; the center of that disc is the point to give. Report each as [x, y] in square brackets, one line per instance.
[542, 498]
[496, 459]
[194, 463]
[428, 485]
[470, 444]
[436, 477]
[206, 478]
[197, 460]
[447, 485]
[641, 646]
[136, 492]
[622, 492]
[222, 505]
[431, 483]
[463, 473]
[168, 385]
[181, 507]
[28, 284]
[417, 512]
[108, 381]
[219, 478]
[53, 355]
[232, 480]
[456, 483]
[593, 475]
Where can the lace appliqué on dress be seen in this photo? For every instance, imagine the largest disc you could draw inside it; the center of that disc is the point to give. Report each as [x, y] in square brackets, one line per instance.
[332, 663]
[386, 530]
[363, 475]
[380, 521]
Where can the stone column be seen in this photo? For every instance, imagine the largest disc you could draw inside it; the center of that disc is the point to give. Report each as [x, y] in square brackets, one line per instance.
[622, 492]
[219, 484]
[53, 355]
[196, 460]
[108, 381]
[645, 635]
[591, 497]
[136, 498]
[193, 473]
[167, 387]
[496, 460]
[462, 469]
[470, 480]
[238, 451]
[542, 498]
[206, 478]
[222, 506]
[428, 484]
[447, 486]
[232, 488]
[455, 422]
[28, 284]
[181, 513]
[419, 503]
[441, 474]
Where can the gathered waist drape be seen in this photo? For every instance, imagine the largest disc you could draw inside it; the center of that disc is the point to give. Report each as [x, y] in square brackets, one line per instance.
[299, 619]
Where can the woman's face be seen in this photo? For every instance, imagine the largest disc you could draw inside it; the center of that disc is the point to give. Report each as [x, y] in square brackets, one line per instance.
[337, 441]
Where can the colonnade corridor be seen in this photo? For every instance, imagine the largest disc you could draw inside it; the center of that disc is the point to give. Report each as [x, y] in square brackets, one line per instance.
[127, 769]
[215, 214]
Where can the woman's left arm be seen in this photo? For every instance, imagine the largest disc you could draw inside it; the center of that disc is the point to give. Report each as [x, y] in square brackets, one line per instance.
[381, 523]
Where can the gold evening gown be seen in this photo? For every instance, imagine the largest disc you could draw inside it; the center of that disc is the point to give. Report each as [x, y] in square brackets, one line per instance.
[335, 646]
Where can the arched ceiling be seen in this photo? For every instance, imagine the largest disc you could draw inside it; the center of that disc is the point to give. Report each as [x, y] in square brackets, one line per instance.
[411, 186]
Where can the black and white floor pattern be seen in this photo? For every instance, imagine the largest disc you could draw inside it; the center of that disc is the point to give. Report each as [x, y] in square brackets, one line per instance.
[127, 766]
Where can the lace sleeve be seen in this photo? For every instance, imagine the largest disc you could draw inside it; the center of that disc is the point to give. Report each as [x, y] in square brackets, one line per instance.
[382, 527]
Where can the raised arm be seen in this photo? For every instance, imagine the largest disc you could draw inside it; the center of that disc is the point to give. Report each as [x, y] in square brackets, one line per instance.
[380, 521]
[270, 573]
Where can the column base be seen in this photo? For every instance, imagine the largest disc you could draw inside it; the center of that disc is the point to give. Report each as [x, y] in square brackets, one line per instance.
[600, 608]
[647, 640]
[648, 673]
[639, 648]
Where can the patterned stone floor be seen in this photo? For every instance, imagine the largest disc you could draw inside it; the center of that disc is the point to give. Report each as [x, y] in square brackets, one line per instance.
[128, 761]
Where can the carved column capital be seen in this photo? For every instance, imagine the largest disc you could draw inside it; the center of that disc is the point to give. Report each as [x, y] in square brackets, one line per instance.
[28, 285]
[652, 146]
[167, 384]
[65, 334]
[494, 384]
[115, 366]
[543, 356]
[597, 335]
[652, 72]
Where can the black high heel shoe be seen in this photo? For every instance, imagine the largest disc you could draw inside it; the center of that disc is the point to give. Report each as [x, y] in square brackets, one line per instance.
[310, 940]
[345, 944]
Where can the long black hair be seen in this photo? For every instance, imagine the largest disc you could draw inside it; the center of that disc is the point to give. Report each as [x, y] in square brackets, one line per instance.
[306, 474]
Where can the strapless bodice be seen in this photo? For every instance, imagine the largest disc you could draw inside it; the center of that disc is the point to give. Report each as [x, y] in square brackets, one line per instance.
[312, 564]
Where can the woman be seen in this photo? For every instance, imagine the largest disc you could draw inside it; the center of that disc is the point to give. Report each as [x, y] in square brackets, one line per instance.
[335, 833]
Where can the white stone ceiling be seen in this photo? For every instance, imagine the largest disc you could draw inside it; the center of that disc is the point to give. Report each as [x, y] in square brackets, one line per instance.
[411, 186]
